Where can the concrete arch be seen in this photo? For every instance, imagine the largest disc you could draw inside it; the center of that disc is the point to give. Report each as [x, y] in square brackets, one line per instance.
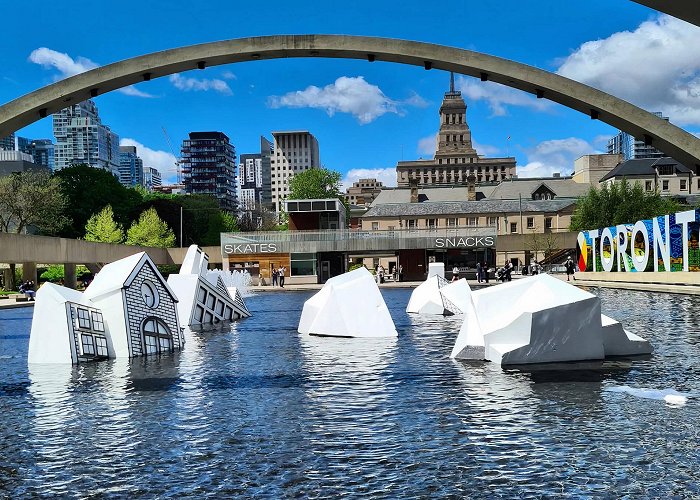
[682, 9]
[674, 141]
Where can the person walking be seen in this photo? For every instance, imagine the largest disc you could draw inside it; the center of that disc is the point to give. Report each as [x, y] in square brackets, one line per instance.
[479, 272]
[570, 268]
[281, 276]
[380, 273]
[485, 270]
[274, 276]
[455, 273]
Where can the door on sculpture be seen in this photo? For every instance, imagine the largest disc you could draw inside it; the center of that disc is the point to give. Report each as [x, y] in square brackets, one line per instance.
[325, 270]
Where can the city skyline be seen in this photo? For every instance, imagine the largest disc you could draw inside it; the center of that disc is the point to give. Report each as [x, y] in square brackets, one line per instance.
[367, 117]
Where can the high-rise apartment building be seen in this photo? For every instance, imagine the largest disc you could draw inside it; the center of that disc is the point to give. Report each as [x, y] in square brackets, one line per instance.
[632, 148]
[455, 157]
[209, 167]
[151, 178]
[254, 178]
[130, 167]
[42, 150]
[293, 152]
[7, 143]
[82, 138]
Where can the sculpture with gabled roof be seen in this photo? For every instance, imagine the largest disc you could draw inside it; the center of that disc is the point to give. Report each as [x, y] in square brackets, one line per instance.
[204, 301]
[128, 310]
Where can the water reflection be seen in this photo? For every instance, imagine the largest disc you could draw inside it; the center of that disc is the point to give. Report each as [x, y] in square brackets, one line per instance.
[254, 409]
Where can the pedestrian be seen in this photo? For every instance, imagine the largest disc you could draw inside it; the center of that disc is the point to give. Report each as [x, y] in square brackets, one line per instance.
[400, 272]
[380, 273]
[485, 270]
[281, 276]
[455, 273]
[274, 276]
[479, 272]
[534, 268]
[508, 270]
[570, 268]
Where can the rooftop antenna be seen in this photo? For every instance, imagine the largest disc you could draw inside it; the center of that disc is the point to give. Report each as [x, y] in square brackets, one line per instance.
[452, 82]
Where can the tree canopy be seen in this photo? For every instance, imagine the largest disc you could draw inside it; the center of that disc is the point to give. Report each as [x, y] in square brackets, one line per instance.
[102, 227]
[32, 198]
[621, 203]
[315, 183]
[88, 190]
[150, 231]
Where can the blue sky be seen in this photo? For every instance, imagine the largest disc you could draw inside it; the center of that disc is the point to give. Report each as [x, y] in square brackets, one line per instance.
[365, 116]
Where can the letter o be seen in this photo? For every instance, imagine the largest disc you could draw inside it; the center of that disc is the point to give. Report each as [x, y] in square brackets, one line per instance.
[607, 262]
[640, 263]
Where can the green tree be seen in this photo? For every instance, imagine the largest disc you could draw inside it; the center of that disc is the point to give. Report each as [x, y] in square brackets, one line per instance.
[150, 231]
[88, 190]
[102, 227]
[32, 198]
[620, 203]
[315, 183]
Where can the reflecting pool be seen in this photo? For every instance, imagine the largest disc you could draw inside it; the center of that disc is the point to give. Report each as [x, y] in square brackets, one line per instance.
[255, 409]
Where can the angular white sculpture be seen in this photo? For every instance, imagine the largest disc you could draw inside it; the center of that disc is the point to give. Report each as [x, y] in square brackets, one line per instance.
[204, 298]
[67, 328]
[427, 299]
[128, 310]
[540, 319]
[436, 269]
[349, 305]
[456, 295]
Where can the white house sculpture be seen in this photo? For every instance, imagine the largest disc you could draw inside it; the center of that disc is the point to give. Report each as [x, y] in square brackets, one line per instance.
[128, 310]
[427, 299]
[541, 319]
[201, 301]
[349, 305]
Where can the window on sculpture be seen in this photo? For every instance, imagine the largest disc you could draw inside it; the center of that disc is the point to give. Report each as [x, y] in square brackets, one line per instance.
[97, 321]
[156, 336]
[83, 318]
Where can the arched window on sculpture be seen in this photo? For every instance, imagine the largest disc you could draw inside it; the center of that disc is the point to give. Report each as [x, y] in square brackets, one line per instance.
[156, 336]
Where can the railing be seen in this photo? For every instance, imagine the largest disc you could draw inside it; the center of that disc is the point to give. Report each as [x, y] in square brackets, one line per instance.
[352, 235]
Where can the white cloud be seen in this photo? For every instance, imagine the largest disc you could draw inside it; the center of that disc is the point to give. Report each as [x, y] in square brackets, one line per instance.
[557, 155]
[385, 175]
[498, 96]
[187, 84]
[485, 149]
[162, 161]
[656, 66]
[67, 67]
[229, 75]
[366, 102]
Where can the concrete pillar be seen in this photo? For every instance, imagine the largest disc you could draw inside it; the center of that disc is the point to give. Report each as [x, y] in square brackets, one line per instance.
[224, 262]
[9, 280]
[29, 271]
[69, 276]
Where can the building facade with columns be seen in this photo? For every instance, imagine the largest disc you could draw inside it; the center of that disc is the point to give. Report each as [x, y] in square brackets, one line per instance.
[455, 157]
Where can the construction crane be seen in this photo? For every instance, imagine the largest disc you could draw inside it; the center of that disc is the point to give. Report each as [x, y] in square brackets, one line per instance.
[177, 161]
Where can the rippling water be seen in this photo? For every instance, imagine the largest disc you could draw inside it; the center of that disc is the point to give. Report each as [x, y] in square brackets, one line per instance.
[258, 410]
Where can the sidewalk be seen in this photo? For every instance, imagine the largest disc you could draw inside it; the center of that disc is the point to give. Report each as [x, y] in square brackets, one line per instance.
[11, 302]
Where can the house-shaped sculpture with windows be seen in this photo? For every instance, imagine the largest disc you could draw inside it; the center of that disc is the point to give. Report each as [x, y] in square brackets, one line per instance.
[204, 301]
[138, 305]
[128, 310]
[67, 328]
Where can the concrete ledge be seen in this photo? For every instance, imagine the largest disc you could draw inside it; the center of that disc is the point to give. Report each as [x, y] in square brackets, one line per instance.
[678, 282]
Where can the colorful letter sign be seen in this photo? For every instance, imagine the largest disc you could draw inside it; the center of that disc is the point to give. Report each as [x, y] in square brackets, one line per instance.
[662, 244]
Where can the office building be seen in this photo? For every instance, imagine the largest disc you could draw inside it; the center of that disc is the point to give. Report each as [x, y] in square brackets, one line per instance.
[17, 161]
[130, 167]
[363, 192]
[208, 162]
[151, 178]
[293, 152]
[632, 148]
[455, 157]
[42, 150]
[82, 138]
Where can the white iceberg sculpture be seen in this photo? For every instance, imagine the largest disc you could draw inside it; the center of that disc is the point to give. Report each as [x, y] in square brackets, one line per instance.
[427, 298]
[436, 269]
[128, 310]
[204, 298]
[349, 305]
[540, 319]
